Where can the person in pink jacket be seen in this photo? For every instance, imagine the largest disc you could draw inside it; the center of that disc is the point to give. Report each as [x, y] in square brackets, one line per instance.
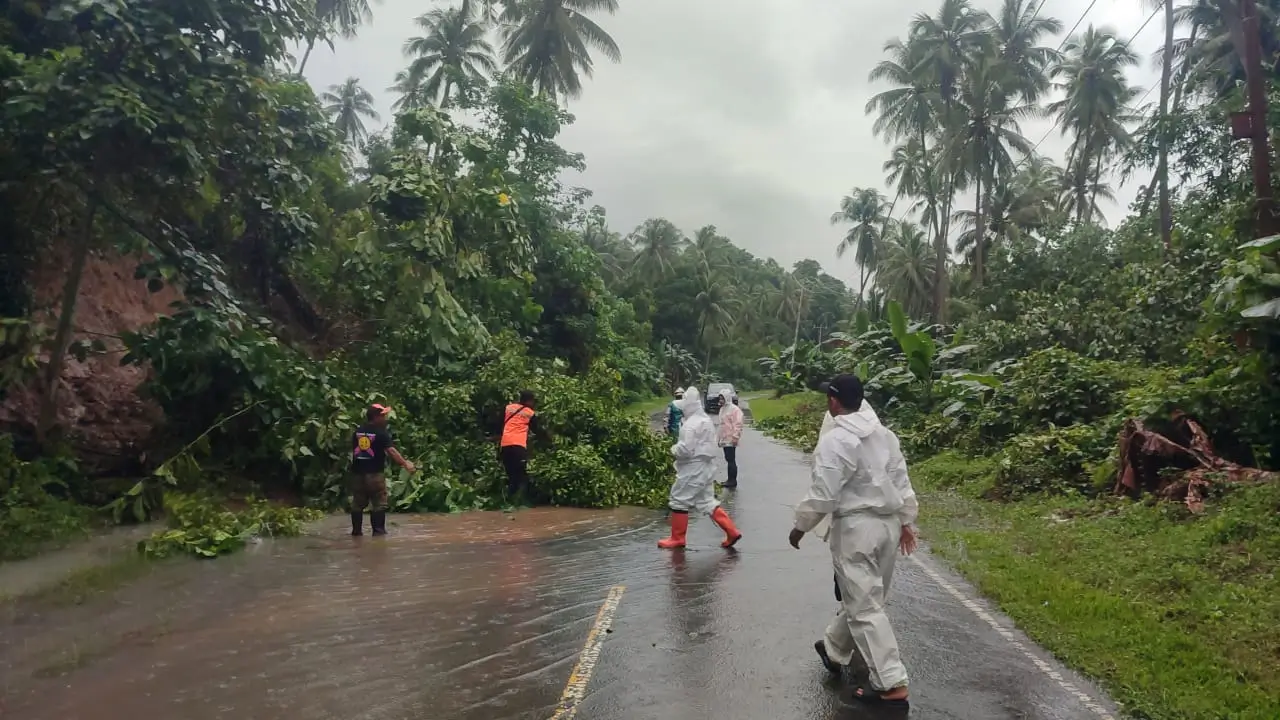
[730, 434]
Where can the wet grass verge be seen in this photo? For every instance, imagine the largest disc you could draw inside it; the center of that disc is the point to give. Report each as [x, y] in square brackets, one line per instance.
[1177, 616]
[767, 406]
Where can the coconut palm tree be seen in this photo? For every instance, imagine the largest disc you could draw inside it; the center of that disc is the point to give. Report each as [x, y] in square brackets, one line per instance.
[865, 210]
[909, 170]
[342, 16]
[713, 306]
[708, 248]
[907, 110]
[346, 105]
[412, 94]
[548, 43]
[453, 51]
[906, 271]
[990, 102]
[1016, 30]
[1094, 110]
[944, 43]
[657, 243]
[1014, 210]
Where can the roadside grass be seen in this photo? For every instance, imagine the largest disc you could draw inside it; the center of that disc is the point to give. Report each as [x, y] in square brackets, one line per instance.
[1178, 616]
[766, 406]
[648, 407]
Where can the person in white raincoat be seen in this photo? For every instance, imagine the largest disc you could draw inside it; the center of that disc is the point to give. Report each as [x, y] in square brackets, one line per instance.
[694, 488]
[731, 420]
[860, 480]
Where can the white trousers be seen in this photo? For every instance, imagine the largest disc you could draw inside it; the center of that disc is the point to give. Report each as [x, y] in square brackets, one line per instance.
[864, 549]
[694, 489]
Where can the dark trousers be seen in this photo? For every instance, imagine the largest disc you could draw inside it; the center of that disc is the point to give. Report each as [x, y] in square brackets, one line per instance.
[368, 489]
[515, 460]
[731, 457]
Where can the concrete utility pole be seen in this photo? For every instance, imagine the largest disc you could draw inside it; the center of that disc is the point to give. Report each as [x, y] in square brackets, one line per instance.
[1256, 86]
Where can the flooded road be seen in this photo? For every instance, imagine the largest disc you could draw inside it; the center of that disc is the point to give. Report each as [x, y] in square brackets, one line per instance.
[485, 616]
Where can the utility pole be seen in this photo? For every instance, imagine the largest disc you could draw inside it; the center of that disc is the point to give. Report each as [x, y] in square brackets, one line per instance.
[795, 339]
[1256, 86]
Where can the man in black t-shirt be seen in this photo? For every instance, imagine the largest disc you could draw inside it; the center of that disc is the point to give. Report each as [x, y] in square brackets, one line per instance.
[371, 445]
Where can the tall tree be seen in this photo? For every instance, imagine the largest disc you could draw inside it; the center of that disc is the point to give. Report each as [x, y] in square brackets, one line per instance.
[713, 306]
[945, 43]
[907, 110]
[865, 210]
[346, 105]
[1016, 32]
[1162, 160]
[657, 243]
[412, 93]
[454, 50]
[548, 43]
[341, 16]
[1094, 110]
[981, 144]
[906, 269]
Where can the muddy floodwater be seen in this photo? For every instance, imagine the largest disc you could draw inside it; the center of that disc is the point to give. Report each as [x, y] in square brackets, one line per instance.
[485, 616]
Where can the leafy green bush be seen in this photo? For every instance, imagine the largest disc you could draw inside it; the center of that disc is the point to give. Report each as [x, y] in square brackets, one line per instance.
[1057, 460]
[202, 526]
[952, 470]
[32, 516]
[1053, 387]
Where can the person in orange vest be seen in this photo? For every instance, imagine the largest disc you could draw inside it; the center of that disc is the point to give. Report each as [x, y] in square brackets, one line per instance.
[513, 449]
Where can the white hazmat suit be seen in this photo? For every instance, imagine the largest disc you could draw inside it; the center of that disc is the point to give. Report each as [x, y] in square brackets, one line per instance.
[695, 453]
[860, 481]
[695, 461]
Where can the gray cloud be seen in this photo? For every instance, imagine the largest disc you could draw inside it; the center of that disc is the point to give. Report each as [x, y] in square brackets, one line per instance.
[744, 114]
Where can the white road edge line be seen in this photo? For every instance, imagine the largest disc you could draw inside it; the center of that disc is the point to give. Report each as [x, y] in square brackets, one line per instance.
[576, 689]
[1009, 636]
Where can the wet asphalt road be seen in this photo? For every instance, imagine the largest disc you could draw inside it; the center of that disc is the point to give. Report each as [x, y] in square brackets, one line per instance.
[483, 616]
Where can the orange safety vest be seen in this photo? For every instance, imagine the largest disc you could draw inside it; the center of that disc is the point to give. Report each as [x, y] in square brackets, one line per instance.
[515, 431]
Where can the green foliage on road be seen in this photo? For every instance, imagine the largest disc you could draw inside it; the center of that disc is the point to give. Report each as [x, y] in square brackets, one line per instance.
[200, 527]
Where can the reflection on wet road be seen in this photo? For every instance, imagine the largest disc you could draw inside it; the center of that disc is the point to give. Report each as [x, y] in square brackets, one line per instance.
[484, 616]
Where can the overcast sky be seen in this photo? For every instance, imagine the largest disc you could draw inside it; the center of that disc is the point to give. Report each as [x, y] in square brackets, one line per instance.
[744, 114]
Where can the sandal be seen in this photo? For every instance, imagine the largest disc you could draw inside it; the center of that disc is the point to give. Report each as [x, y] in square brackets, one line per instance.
[872, 697]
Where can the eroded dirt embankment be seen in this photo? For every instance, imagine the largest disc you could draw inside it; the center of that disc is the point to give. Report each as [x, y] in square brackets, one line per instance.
[105, 419]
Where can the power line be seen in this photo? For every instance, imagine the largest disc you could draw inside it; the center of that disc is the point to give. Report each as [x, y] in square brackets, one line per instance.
[1073, 27]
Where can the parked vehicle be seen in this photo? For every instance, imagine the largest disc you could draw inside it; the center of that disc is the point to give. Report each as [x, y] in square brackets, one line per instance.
[712, 400]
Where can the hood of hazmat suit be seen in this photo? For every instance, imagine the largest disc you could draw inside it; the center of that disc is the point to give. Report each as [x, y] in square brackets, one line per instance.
[695, 453]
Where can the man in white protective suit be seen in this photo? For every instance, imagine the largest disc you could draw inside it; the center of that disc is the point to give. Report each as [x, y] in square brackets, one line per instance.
[694, 489]
[860, 481]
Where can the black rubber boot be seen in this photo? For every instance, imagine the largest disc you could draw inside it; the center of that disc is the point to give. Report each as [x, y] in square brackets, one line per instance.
[357, 523]
[379, 522]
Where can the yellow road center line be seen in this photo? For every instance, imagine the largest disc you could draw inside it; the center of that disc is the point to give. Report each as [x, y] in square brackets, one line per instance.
[576, 690]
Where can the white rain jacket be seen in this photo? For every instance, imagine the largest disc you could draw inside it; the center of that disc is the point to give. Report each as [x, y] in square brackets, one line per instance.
[730, 421]
[858, 467]
[695, 453]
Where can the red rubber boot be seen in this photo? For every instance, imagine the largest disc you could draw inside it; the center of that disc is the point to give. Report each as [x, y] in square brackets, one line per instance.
[679, 529]
[731, 534]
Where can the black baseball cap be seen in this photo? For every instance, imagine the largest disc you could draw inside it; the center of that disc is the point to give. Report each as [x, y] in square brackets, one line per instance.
[846, 389]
